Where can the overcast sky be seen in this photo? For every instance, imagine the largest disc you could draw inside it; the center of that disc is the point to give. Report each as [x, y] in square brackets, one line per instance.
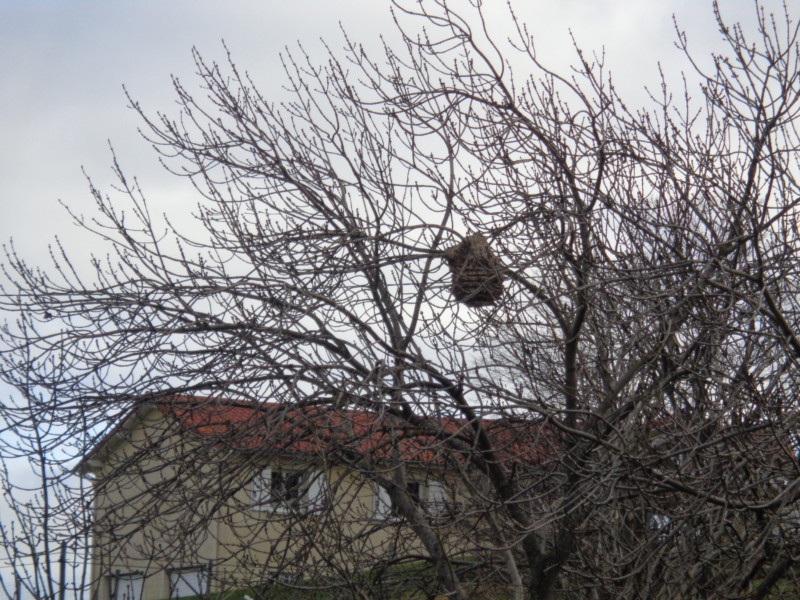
[64, 62]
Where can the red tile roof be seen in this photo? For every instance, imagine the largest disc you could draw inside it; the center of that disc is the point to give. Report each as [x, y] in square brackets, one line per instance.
[322, 429]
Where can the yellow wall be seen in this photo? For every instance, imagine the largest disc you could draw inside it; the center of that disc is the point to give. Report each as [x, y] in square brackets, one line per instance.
[164, 501]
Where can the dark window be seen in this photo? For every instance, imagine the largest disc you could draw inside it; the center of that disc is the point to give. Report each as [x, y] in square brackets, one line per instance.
[277, 489]
[414, 490]
[286, 487]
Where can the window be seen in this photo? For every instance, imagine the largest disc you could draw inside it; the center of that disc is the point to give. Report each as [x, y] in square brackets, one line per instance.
[436, 502]
[414, 489]
[127, 586]
[383, 504]
[184, 583]
[431, 495]
[283, 489]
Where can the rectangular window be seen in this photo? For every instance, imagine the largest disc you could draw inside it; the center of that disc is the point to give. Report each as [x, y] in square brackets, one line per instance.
[436, 501]
[127, 586]
[429, 495]
[414, 490]
[184, 583]
[285, 489]
[383, 504]
[316, 490]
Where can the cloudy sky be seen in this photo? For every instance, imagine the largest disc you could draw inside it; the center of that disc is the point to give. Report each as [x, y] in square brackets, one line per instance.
[64, 62]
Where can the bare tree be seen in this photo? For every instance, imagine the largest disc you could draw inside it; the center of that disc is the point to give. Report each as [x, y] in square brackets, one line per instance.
[586, 312]
[43, 532]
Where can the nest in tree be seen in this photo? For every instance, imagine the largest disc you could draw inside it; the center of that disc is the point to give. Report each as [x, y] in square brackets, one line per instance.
[477, 272]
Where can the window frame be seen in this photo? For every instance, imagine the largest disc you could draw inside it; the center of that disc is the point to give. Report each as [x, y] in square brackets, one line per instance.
[436, 503]
[312, 486]
[384, 510]
[132, 576]
[204, 573]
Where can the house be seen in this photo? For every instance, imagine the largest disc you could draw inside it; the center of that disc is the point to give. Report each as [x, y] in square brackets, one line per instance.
[201, 495]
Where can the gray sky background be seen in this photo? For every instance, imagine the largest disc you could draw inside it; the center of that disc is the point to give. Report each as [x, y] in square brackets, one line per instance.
[63, 64]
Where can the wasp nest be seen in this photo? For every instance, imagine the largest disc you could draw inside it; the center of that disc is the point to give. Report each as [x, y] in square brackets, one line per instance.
[477, 272]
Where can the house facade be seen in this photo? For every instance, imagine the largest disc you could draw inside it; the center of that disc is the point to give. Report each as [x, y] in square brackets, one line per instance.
[202, 496]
